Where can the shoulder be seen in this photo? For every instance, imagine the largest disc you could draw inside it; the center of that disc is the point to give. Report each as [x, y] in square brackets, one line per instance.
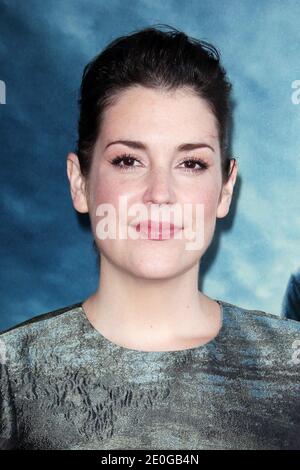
[40, 321]
[259, 321]
[40, 330]
[261, 340]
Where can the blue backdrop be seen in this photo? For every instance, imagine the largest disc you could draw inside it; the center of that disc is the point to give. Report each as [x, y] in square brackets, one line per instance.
[47, 259]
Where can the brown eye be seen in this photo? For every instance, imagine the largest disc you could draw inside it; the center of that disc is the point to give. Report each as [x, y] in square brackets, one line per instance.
[125, 162]
[194, 165]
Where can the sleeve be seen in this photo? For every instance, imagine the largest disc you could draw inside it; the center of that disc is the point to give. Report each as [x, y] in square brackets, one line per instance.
[8, 422]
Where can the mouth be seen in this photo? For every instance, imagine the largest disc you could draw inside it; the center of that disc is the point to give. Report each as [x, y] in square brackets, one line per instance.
[157, 230]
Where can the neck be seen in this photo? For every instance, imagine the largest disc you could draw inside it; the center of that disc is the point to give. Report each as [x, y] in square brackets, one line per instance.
[134, 309]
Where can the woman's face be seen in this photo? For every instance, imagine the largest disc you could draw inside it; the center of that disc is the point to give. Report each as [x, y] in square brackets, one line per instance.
[159, 172]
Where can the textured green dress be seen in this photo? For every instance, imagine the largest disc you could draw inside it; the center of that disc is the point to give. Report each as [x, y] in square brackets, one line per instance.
[65, 386]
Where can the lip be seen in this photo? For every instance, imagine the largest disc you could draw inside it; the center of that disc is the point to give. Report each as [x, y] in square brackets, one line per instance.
[157, 230]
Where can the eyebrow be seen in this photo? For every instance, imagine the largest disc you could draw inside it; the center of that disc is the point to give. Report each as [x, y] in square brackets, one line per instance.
[135, 144]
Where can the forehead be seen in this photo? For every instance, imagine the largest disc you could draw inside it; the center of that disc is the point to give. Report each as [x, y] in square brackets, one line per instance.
[159, 115]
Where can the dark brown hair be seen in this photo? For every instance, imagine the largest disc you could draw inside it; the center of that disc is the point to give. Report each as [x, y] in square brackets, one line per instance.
[152, 58]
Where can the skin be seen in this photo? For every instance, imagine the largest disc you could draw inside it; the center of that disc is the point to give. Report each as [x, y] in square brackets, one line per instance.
[148, 297]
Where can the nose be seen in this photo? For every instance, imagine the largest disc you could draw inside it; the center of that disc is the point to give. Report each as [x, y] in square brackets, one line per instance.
[159, 188]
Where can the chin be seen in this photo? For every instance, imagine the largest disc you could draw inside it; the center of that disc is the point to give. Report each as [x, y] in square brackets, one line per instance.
[155, 272]
[156, 267]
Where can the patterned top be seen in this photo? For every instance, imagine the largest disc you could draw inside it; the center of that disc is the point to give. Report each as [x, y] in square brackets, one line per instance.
[65, 386]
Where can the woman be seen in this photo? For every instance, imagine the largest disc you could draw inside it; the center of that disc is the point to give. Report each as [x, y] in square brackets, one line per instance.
[148, 361]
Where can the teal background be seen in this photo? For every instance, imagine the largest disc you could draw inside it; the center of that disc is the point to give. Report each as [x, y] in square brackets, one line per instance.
[47, 259]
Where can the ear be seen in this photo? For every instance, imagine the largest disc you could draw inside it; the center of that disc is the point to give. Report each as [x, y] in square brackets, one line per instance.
[77, 183]
[227, 191]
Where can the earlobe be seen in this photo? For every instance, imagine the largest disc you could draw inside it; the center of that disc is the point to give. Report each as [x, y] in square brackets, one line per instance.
[77, 183]
[227, 191]
[224, 204]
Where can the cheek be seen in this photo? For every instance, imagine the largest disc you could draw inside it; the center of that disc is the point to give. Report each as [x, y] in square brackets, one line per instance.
[210, 201]
[108, 191]
[208, 196]
[105, 190]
